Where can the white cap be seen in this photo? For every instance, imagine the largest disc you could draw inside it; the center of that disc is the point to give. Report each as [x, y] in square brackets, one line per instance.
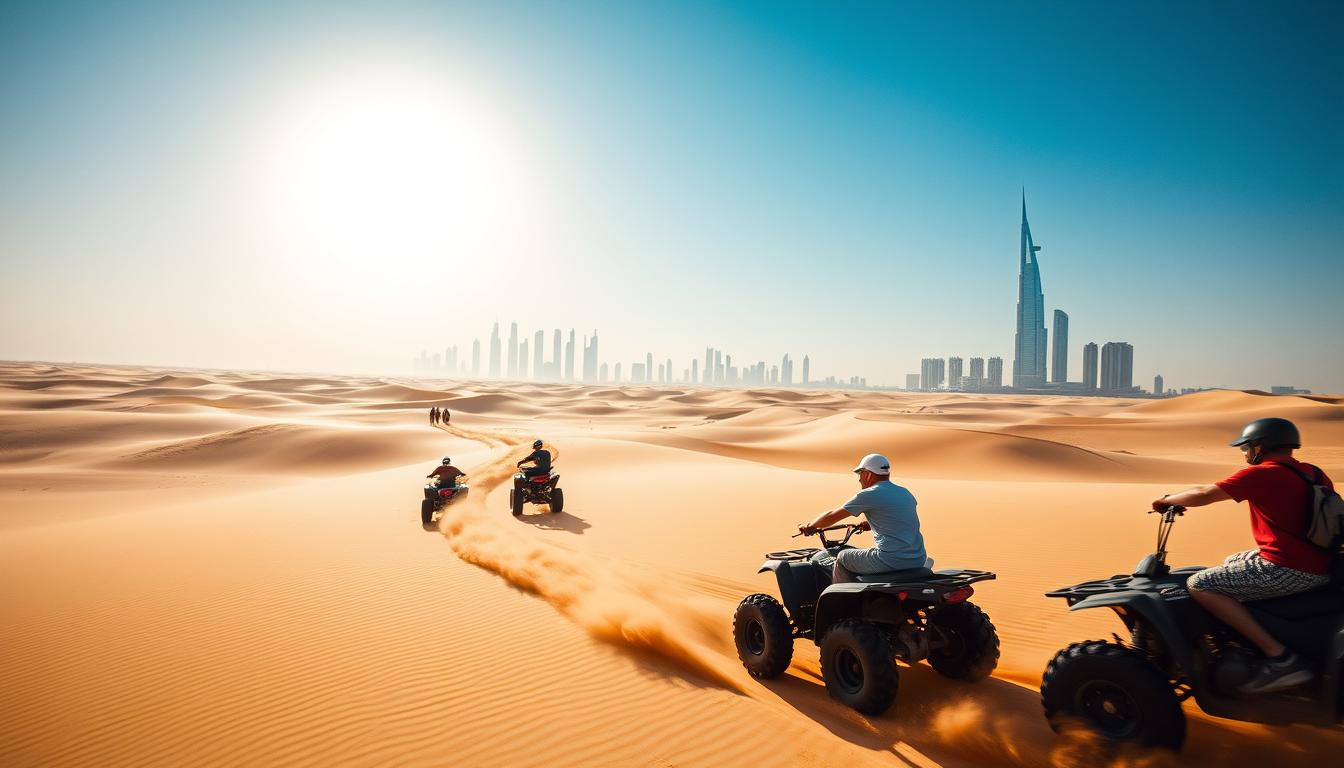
[875, 463]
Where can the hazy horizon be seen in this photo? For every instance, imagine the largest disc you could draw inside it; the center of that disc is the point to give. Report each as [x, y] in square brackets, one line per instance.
[273, 186]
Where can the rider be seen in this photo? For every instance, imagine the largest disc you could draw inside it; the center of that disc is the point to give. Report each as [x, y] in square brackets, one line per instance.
[1278, 489]
[447, 474]
[541, 463]
[890, 512]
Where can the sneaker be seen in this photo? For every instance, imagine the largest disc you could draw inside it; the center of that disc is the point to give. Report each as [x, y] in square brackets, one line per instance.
[1278, 675]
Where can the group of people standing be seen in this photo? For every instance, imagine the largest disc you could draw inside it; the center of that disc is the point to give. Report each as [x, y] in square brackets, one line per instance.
[438, 415]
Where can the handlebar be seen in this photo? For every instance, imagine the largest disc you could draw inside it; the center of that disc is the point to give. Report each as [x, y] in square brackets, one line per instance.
[1175, 509]
[849, 528]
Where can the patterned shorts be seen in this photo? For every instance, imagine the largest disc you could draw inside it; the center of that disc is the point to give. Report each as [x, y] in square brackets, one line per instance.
[1247, 576]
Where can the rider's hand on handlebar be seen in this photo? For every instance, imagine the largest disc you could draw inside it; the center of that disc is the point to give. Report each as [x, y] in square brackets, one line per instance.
[806, 530]
[1161, 505]
[863, 526]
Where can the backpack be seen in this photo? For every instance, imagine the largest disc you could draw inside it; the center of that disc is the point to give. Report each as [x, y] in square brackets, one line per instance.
[1325, 519]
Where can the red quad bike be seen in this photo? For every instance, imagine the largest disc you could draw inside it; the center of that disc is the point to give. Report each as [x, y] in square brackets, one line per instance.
[540, 489]
[1130, 690]
[436, 497]
[864, 627]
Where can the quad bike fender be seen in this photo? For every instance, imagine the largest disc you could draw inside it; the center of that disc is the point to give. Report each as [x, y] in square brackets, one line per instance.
[798, 588]
[1133, 605]
[855, 600]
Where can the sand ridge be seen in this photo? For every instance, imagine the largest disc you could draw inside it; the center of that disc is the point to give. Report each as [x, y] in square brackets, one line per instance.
[224, 567]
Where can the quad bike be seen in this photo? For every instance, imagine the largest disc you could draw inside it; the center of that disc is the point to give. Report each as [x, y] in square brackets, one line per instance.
[864, 627]
[1131, 692]
[540, 489]
[436, 497]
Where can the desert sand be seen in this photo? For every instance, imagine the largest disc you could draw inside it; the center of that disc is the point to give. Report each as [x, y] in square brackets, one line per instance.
[228, 568]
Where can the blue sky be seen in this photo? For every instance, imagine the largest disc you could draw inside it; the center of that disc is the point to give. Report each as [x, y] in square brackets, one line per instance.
[837, 179]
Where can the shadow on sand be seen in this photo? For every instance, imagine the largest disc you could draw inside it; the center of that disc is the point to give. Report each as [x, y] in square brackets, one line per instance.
[561, 522]
[997, 722]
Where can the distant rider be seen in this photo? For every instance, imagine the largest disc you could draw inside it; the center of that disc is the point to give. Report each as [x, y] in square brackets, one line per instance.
[1278, 490]
[540, 459]
[890, 513]
[447, 474]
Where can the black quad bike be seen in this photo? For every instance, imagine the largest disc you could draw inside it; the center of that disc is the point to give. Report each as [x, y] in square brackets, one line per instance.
[864, 627]
[540, 489]
[1131, 692]
[436, 496]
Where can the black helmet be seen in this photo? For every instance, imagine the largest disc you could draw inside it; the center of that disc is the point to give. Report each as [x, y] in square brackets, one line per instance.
[1270, 433]
[537, 444]
[447, 460]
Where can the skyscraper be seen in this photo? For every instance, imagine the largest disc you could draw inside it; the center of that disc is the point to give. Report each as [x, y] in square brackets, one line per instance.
[1117, 366]
[554, 369]
[1029, 343]
[708, 377]
[538, 355]
[978, 368]
[1157, 384]
[476, 357]
[494, 352]
[648, 365]
[931, 372]
[1090, 365]
[954, 365]
[912, 381]
[512, 366]
[569, 357]
[1059, 358]
[522, 359]
[807, 370]
[996, 371]
[590, 358]
[695, 371]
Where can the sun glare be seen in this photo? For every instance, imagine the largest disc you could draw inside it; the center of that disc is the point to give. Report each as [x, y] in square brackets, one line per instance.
[394, 169]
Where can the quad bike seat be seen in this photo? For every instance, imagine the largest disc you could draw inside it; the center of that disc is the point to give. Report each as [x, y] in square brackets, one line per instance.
[539, 479]
[1303, 605]
[886, 577]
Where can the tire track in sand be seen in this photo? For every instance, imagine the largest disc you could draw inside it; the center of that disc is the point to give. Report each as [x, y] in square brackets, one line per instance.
[630, 611]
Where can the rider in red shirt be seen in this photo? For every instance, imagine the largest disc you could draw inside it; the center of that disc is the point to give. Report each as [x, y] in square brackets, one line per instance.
[1277, 488]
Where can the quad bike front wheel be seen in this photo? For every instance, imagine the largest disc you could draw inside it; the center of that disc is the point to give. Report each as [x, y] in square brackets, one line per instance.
[516, 502]
[971, 649]
[1114, 690]
[762, 635]
[426, 512]
[858, 666]
[557, 501]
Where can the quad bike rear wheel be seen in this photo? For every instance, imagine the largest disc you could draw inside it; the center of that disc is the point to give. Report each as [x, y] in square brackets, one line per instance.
[426, 512]
[858, 666]
[516, 502]
[557, 501]
[1114, 690]
[972, 649]
[762, 635]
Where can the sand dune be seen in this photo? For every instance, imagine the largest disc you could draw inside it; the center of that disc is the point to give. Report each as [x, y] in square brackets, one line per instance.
[214, 567]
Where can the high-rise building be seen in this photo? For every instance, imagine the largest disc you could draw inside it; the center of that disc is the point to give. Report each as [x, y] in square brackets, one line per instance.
[616, 377]
[1059, 358]
[708, 377]
[590, 358]
[912, 381]
[1117, 366]
[637, 373]
[569, 357]
[977, 367]
[476, 358]
[513, 351]
[695, 371]
[954, 365]
[494, 352]
[1090, 365]
[1157, 384]
[931, 373]
[538, 355]
[450, 360]
[667, 365]
[1029, 343]
[522, 359]
[807, 369]
[554, 370]
[996, 372]
[648, 365]
[602, 373]
[718, 366]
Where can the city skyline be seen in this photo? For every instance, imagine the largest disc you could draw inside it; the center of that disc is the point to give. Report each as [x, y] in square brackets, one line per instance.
[290, 186]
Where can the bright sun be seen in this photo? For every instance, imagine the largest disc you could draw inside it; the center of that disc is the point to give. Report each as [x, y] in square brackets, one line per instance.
[394, 169]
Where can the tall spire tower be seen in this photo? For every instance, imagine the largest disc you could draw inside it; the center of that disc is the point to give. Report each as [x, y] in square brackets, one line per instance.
[1029, 346]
